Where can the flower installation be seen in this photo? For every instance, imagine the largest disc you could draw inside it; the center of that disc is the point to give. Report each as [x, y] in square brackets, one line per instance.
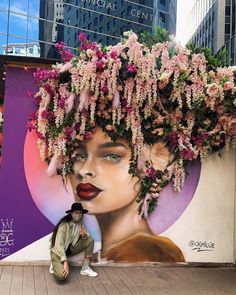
[168, 102]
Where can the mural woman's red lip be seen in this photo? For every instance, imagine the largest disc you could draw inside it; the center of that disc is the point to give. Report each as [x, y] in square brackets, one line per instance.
[87, 191]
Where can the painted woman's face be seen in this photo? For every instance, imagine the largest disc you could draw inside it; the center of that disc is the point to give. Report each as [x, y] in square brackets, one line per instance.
[101, 181]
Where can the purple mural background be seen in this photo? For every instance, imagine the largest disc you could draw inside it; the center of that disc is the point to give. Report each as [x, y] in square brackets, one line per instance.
[17, 207]
[29, 209]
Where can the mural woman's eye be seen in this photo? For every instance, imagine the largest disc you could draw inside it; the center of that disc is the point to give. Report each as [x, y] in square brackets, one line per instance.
[114, 158]
[81, 157]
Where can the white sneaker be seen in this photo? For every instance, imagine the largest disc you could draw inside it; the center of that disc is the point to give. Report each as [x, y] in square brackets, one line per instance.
[51, 269]
[88, 272]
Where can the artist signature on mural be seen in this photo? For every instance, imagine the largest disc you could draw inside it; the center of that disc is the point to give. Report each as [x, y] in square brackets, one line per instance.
[201, 246]
[6, 237]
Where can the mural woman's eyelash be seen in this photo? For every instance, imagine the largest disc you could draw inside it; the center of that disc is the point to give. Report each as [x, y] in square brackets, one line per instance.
[116, 158]
[81, 157]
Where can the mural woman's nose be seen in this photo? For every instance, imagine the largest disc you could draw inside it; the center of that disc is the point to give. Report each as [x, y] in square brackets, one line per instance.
[87, 170]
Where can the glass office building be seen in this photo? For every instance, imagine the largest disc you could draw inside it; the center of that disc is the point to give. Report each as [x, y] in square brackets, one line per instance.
[32, 27]
[212, 24]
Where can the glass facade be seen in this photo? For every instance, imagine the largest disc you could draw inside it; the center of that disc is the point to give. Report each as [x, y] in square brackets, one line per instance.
[32, 27]
[213, 25]
[204, 35]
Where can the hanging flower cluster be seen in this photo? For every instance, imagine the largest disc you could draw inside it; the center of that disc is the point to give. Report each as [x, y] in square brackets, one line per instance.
[163, 98]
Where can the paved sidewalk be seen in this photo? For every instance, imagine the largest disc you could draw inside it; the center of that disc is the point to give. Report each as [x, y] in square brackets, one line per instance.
[112, 280]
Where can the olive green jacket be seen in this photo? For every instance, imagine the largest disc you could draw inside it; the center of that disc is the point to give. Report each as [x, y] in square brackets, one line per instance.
[63, 239]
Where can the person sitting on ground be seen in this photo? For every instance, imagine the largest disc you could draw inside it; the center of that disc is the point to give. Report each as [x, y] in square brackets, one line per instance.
[70, 237]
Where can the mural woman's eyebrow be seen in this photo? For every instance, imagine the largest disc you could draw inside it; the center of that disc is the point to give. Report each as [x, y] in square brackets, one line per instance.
[112, 144]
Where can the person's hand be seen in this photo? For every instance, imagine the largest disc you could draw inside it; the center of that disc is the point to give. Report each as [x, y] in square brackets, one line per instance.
[83, 232]
[66, 268]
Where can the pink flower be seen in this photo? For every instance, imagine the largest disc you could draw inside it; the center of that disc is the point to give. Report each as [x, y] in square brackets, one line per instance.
[70, 102]
[131, 68]
[234, 89]
[40, 135]
[49, 89]
[116, 99]
[66, 67]
[173, 139]
[157, 155]
[212, 89]
[93, 45]
[88, 135]
[104, 88]
[48, 115]
[82, 37]
[228, 85]
[83, 100]
[187, 154]
[61, 103]
[100, 65]
[60, 46]
[160, 156]
[67, 55]
[99, 54]
[128, 109]
[114, 54]
[151, 172]
[68, 132]
[228, 122]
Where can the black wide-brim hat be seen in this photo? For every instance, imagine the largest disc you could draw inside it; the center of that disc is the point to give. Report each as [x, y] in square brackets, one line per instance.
[76, 207]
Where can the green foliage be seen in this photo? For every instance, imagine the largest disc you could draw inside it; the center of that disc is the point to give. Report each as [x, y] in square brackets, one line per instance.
[158, 35]
[220, 59]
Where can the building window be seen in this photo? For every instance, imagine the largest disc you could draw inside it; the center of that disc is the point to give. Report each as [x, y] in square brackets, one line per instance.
[227, 37]
[163, 2]
[162, 18]
[209, 21]
[227, 10]
[95, 21]
[227, 28]
[68, 42]
[213, 16]
[68, 21]
[77, 14]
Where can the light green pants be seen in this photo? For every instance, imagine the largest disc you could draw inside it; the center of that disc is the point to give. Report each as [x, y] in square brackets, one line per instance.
[83, 245]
